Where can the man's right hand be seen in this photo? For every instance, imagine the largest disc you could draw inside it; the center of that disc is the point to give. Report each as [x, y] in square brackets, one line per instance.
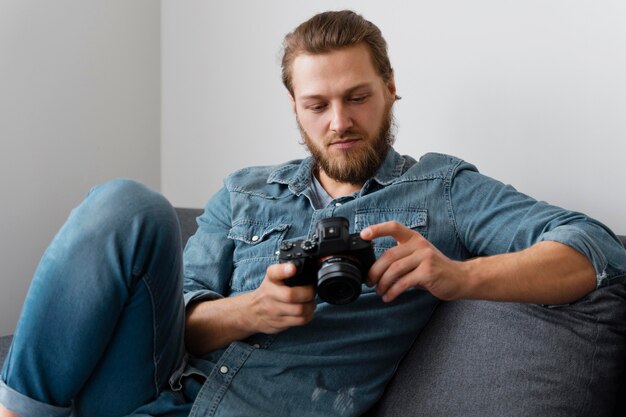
[276, 306]
[271, 308]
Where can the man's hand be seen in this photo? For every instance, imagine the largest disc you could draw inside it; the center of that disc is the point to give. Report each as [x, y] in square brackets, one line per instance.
[413, 263]
[544, 273]
[271, 308]
[276, 306]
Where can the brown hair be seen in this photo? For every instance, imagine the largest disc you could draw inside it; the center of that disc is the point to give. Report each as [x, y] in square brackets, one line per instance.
[333, 30]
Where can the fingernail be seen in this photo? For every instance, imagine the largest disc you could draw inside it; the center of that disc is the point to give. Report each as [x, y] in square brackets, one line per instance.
[366, 233]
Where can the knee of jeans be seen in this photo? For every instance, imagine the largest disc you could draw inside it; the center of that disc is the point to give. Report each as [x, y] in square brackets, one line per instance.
[114, 203]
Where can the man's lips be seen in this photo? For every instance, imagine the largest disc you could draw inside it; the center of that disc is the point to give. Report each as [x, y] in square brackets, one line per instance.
[344, 143]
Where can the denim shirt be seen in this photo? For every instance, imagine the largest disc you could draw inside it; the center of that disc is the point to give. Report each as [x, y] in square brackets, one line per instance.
[339, 363]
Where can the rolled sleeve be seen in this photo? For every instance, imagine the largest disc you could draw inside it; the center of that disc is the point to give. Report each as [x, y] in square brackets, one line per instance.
[493, 218]
[600, 246]
[201, 295]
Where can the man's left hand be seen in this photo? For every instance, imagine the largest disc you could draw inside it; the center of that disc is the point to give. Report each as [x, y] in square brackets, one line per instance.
[413, 263]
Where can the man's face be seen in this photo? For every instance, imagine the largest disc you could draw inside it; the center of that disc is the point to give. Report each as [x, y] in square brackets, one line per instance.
[343, 108]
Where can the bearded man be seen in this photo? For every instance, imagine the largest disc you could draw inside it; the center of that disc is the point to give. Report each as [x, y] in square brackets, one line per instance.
[108, 329]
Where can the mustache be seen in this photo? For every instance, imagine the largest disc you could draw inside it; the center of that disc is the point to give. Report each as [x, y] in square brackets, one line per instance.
[347, 135]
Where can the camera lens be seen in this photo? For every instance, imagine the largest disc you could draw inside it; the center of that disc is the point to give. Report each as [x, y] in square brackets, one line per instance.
[339, 280]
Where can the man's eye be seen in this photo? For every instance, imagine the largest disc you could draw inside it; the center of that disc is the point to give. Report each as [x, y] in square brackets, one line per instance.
[317, 107]
[358, 99]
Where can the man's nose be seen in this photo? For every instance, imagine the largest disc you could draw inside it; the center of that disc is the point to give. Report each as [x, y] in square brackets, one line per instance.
[341, 120]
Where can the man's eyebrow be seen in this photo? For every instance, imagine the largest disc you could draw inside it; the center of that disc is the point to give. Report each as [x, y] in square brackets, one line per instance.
[347, 92]
[358, 87]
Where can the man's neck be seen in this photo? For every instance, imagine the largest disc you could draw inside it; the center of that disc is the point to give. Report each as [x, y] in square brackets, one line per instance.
[334, 188]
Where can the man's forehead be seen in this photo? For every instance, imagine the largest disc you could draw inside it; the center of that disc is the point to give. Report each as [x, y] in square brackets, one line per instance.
[339, 70]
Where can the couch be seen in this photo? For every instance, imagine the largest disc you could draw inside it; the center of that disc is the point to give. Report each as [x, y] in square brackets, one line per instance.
[479, 358]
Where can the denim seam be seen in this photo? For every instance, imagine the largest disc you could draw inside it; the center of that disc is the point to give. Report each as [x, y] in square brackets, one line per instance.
[227, 380]
[420, 216]
[447, 194]
[155, 330]
[254, 259]
[258, 194]
[215, 387]
[261, 235]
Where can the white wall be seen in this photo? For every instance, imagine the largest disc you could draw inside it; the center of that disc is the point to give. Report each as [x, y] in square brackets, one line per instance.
[533, 92]
[79, 105]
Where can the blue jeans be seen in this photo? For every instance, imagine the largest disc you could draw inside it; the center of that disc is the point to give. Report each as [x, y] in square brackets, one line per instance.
[102, 329]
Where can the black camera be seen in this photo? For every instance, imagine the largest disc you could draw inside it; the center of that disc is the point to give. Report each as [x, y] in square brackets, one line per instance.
[334, 261]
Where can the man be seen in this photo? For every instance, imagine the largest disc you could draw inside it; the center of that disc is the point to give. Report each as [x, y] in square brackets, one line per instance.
[101, 332]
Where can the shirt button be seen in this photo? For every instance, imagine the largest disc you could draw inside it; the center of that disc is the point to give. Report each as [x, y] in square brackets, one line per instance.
[224, 369]
[256, 346]
[255, 238]
[337, 204]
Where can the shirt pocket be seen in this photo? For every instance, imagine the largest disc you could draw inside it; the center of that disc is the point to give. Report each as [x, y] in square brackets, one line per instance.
[256, 246]
[413, 218]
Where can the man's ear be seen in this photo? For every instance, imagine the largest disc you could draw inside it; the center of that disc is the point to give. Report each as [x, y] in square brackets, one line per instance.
[391, 87]
[293, 102]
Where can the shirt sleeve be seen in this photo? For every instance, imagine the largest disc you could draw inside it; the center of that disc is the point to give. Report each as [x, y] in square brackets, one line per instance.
[208, 254]
[491, 218]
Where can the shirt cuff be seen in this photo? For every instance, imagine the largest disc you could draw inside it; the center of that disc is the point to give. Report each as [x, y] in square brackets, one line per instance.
[580, 240]
[200, 295]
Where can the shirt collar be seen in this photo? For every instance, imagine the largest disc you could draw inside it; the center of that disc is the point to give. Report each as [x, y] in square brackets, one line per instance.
[297, 175]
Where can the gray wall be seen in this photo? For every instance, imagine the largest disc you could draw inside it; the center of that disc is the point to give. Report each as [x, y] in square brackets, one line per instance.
[533, 92]
[79, 105]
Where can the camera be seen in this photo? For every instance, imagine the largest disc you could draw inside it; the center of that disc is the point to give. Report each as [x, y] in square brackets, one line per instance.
[333, 260]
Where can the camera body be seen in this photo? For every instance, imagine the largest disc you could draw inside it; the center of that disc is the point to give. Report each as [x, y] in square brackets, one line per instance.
[334, 261]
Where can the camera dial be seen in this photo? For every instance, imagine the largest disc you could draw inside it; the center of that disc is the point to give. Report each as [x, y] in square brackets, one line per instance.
[286, 245]
[307, 245]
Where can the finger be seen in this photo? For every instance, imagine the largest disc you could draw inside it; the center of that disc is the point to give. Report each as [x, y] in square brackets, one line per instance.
[279, 272]
[296, 295]
[396, 271]
[290, 315]
[286, 322]
[297, 310]
[276, 274]
[397, 288]
[396, 230]
[385, 261]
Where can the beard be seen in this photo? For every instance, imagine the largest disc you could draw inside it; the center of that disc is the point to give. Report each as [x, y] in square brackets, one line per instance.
[353, 166]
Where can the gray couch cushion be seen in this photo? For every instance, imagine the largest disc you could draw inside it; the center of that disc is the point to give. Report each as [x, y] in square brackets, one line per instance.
[5, 342]
[187, 220]
[479, 358]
